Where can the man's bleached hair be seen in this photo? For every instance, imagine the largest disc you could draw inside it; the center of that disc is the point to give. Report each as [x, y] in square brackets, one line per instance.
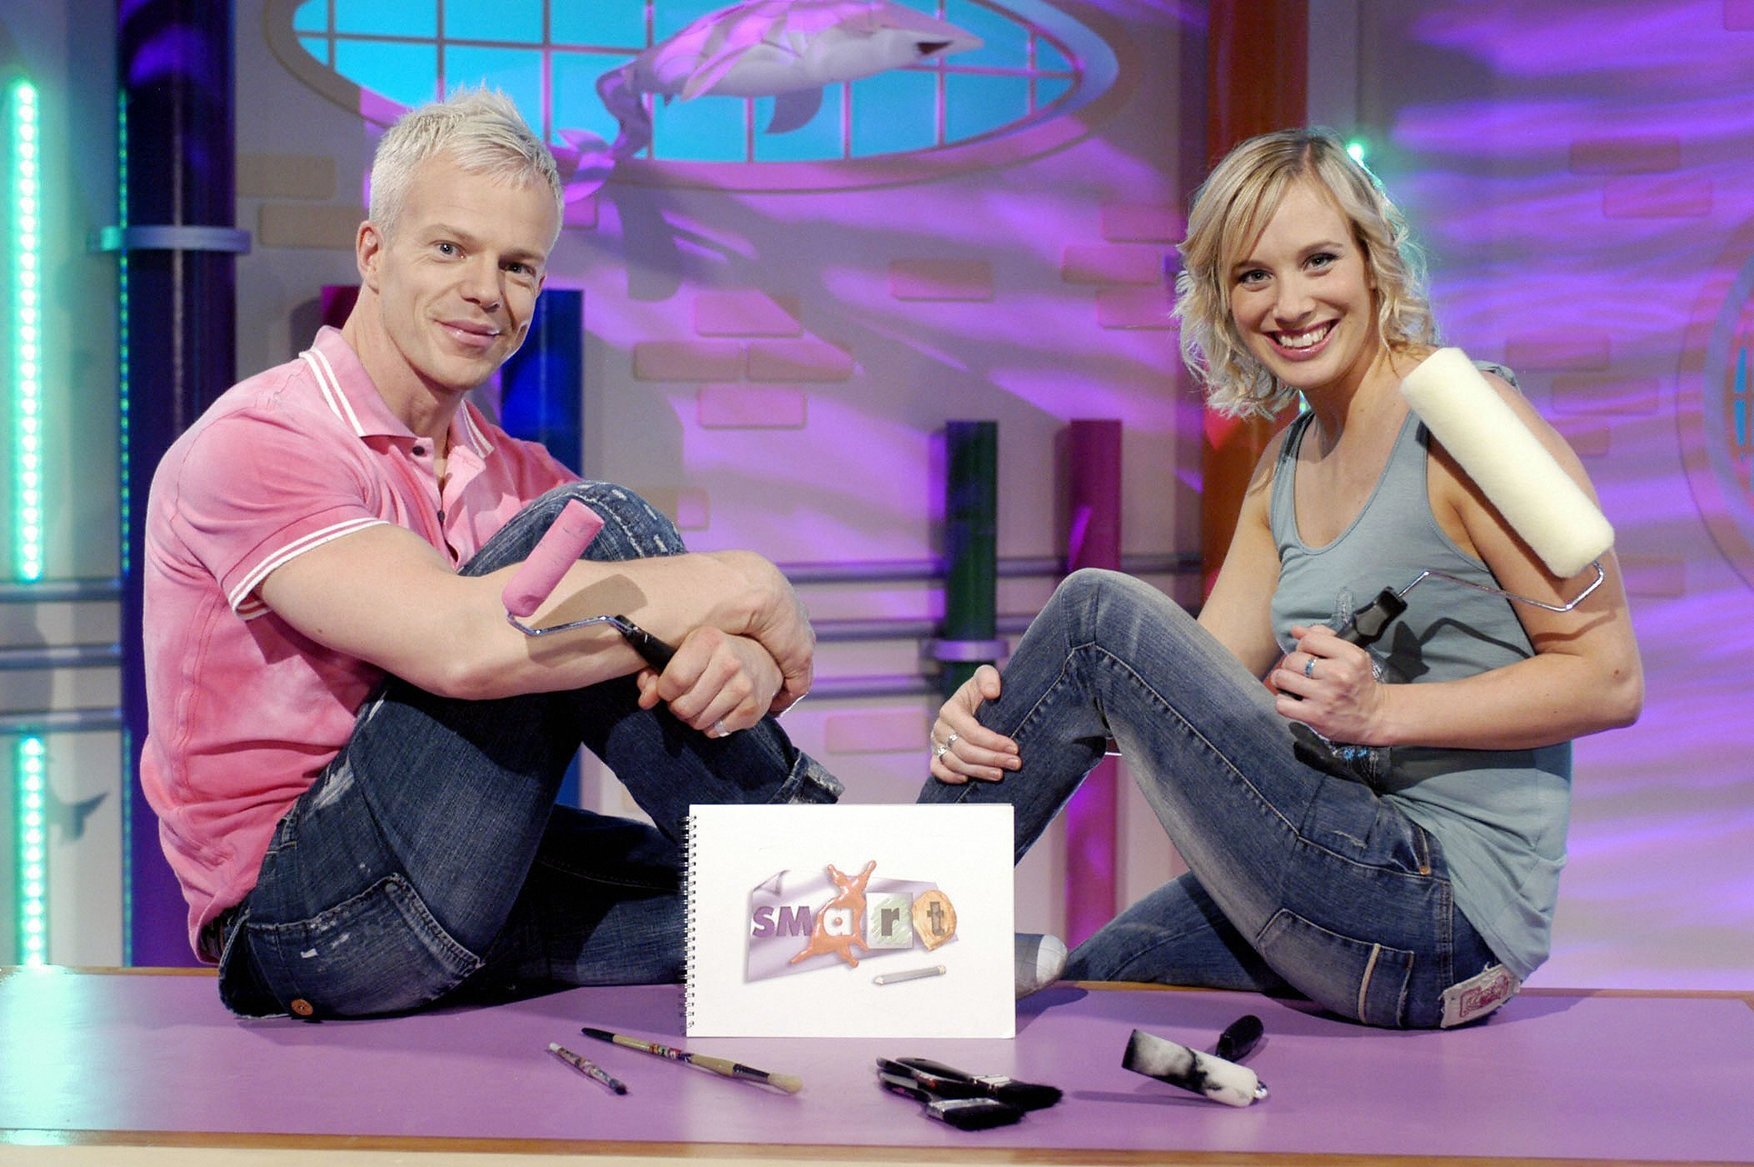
[1232, 208]
[481, 129]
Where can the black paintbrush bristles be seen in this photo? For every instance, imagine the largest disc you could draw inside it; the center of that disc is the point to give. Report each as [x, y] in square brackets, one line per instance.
[950, 1082]
[1023, 1095]
[965, 1114]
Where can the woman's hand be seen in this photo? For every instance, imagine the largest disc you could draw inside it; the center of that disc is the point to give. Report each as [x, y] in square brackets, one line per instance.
[717, 683]
[963, 748]
[1328, 684]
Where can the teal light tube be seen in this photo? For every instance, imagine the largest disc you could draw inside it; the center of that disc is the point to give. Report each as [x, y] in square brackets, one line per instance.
[32, 839]
[24, 301]
[24, 175]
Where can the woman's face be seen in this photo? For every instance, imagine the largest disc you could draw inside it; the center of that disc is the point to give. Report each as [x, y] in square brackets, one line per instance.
[1301, 296]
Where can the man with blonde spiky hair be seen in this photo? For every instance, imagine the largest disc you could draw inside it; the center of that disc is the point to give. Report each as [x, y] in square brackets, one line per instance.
[353, 755]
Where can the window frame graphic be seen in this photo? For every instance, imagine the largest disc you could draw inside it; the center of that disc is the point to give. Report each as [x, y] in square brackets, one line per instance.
[1713, 401]
[1093, 86]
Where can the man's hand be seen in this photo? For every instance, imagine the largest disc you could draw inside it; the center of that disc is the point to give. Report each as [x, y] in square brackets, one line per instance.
[772, 615]
[717, 683]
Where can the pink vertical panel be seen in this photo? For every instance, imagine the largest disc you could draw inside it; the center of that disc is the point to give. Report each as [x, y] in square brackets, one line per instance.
[1093, 539]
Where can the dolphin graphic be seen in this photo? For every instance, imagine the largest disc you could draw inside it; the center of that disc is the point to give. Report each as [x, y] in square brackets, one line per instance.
[784, 49]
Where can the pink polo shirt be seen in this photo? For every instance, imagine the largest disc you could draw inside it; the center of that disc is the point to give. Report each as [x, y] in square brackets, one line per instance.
[243, 711]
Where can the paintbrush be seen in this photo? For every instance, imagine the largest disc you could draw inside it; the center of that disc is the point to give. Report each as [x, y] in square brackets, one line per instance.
[965, 1114]
[724, 1067]
[950, 1082]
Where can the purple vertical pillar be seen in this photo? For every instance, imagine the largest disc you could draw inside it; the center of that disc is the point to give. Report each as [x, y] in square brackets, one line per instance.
[177, 243]
[1093, 539]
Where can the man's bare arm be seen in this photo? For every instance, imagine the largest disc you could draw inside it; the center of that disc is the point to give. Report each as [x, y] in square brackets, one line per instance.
[385, 596]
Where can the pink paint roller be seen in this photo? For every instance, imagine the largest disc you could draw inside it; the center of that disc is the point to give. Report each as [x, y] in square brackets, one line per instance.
[558, 549]
[1540, 501]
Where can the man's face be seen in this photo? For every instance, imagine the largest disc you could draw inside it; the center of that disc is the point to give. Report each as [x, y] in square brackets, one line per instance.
[458, 278]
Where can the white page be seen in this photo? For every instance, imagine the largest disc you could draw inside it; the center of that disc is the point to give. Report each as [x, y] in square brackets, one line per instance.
[779, 948]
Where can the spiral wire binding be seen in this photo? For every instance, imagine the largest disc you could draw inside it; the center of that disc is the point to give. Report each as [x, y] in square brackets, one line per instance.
[690, 923]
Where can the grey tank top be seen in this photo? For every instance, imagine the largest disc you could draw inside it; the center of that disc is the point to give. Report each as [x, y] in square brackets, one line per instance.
[1500, 816]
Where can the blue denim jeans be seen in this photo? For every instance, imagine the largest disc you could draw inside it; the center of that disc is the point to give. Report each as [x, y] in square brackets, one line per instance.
[1297, 878]
[430, 857]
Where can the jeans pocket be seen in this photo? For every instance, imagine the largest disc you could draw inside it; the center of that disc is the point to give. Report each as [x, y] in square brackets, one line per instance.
[381, 951]
[1354, 978]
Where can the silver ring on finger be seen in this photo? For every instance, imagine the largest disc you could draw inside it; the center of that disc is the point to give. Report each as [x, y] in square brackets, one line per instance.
[950, 742]
[1309, 668]
[938, 751]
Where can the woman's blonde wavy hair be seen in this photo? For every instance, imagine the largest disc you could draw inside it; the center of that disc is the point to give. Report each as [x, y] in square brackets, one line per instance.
[1231, 209]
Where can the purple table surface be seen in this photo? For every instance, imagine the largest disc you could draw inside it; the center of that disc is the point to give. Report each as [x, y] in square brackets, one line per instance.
[1553, 1075]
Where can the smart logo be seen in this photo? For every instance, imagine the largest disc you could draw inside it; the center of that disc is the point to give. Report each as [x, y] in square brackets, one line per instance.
[798, 923]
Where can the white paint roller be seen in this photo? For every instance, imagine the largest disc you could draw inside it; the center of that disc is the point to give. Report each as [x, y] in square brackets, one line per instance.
[1205, 1074]
[1540, 501]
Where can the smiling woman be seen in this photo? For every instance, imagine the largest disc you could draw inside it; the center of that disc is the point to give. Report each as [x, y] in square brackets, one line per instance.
[1231, 218]
[1301, 297]
[1417, 890]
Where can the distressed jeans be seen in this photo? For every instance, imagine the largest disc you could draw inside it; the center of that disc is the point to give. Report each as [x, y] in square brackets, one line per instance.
[429, 856]
[1296, 878]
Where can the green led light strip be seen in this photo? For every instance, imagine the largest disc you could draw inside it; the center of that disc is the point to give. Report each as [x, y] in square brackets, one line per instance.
[33, 852]
[125, 419]
[122, 338]
[27, 376]
[30, 765]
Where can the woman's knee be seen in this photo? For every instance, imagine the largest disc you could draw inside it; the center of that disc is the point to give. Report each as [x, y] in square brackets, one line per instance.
[1099, 603]
[1085, 590]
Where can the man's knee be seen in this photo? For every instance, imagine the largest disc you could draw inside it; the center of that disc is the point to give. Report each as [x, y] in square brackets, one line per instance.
[632, 527]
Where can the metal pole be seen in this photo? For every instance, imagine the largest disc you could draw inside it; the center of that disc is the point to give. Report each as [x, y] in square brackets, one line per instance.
[177, 242]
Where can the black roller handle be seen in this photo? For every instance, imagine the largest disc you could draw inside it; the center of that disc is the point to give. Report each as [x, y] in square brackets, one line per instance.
[1372, 620]
[655, 652]
[1364, 629]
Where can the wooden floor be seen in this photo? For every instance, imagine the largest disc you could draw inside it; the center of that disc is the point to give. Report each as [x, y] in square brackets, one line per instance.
[415, 1154]
[144, 1067]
